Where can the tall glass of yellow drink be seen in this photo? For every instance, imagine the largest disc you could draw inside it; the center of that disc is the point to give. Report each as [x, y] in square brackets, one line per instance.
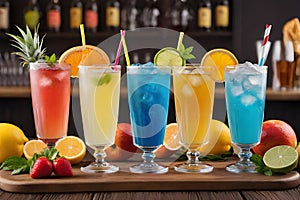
[194, 98]
[99, 90]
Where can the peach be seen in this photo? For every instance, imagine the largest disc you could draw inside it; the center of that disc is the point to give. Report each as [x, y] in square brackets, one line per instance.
[274, 133]
[123, 147]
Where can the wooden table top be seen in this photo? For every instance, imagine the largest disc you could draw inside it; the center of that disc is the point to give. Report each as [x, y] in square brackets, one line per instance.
[293, 194]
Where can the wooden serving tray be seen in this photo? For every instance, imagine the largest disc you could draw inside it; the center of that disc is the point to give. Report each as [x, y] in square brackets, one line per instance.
[219, 179]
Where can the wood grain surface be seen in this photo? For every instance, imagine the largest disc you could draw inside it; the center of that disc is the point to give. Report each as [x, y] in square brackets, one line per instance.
[219, 179]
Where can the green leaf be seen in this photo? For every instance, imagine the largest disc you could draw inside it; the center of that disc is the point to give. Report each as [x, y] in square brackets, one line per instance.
[258, 161]
[186, 53]
[104, 80]
[181, 47]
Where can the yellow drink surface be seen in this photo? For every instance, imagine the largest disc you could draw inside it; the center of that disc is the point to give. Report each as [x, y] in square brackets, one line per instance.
[99, 107]
[194, 97]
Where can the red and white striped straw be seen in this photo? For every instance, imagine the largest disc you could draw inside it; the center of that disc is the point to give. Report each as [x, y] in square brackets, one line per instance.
[266, 39]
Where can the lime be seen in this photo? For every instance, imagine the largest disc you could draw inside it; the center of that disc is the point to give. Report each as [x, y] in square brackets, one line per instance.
[168, 57]
[281, 159]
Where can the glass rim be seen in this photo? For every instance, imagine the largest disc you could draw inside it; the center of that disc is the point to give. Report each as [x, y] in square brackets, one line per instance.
[228, 68]
[45, 65]
[148, 67]
[100, 66]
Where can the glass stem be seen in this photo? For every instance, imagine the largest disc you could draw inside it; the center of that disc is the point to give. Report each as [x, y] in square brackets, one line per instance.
[245, 155]
[148, 157]
[193, 156]
[99, 155]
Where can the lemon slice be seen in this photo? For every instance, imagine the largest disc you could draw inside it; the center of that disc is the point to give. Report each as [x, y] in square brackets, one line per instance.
[219, 58]
[281, 159]
[83, 55]
[168, 57]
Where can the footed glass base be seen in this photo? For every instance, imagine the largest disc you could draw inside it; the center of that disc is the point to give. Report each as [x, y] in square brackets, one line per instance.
[194, 168]
[99, 168]
[240, 167]
[149, 168]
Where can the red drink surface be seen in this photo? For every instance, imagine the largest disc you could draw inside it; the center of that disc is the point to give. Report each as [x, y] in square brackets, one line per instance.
[50, 91]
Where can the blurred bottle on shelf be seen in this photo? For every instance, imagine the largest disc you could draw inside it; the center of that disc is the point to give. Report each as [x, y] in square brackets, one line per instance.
[4, 15]
[150, 15]
[75, 15]
[222, 15]
[32, 14]
[181, 16]
[54, 16]
[112, 17]
[130, 16]
[91, 16]
[205, 15]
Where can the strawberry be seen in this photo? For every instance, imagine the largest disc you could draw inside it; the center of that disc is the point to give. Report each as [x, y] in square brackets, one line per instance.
[62, 167]
[41, 168]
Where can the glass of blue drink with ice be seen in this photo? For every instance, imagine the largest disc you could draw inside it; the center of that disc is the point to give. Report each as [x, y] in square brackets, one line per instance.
[245, 91]
[148, 98]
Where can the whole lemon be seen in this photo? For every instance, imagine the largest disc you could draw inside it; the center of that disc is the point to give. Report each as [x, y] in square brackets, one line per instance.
[12, 140]
[219, 140]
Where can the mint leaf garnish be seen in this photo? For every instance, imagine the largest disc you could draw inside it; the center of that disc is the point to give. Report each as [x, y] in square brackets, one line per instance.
[260, 165]
[186, 53]
[104, 79]
[50, 59]
[21, 165]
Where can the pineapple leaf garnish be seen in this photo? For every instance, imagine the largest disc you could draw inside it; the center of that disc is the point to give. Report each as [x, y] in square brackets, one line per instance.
[30, 47]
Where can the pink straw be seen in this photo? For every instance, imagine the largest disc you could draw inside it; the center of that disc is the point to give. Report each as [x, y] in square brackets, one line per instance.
[266, 39]
[119, 49]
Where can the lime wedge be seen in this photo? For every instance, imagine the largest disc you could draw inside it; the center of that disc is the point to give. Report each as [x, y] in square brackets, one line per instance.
[281, 159]
[168, 57]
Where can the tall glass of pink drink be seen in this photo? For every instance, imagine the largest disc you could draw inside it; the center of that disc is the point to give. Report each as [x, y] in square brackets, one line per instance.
[50, 92]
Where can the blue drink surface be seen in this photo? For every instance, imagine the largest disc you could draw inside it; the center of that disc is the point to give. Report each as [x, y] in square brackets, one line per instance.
[245, 90]
[148, 98]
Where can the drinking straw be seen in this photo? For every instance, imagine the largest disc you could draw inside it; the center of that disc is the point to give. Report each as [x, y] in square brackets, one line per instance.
[82, 35]
[266, 38]
[180, 40]
[123, 32]
[119, 51]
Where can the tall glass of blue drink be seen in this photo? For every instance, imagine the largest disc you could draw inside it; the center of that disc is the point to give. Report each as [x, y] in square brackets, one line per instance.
[148, 98]
[245, 91]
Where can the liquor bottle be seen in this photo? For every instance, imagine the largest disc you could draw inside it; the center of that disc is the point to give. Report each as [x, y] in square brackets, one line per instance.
[32, 14]
[151, 14]
[54, 16]
[91, 16]
[75, 15]
[4, 15]
[181, 16]
[130, 16]
[112, 18]
[222, 15]
[205, 15]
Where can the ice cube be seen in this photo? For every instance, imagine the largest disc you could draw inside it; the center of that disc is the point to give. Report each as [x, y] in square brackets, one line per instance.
[45, 81]
[236, 90]
[61, 75]
[255, 80]
[195, 80]
[248, 100]
[187, 90]
[246, 84]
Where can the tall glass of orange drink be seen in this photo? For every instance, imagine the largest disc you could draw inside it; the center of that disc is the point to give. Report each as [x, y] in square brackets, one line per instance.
[194, 98]
[50, 93]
